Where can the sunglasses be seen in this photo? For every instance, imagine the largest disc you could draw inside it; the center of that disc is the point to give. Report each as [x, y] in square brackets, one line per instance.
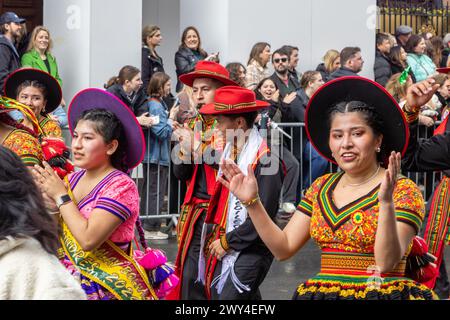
[280, 59]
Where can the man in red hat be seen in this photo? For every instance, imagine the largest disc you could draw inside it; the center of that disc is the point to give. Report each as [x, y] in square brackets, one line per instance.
[236, 260]
[200, 177]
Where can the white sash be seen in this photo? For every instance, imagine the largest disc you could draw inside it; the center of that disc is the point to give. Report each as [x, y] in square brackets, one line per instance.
[237, 213]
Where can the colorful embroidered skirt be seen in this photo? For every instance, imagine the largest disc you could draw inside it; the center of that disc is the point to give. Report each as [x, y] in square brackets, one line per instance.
[352, 276]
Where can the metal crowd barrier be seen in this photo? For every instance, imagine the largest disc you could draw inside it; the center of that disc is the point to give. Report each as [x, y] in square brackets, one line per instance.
[171, 209]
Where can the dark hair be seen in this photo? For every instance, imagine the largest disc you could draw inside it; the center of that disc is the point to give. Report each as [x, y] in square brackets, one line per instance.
[394, 56]
[257, 49]
[22, 210]
[289, 49]
[184, 35]
[156, 84]
[110, 128]
[281, 52]
[233, 69]
[436, 50]
[126, 73]
[380, 38]
[248, 116]
[260, 84]
[35, 84]
[412, 42]
[370, 116]
[348, 53]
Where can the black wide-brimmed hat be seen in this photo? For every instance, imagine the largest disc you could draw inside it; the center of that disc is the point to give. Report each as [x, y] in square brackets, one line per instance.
[395, 128]
[15, 79]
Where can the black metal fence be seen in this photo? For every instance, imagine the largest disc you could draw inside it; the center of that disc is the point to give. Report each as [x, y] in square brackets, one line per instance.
[174, 193]
[420, 15]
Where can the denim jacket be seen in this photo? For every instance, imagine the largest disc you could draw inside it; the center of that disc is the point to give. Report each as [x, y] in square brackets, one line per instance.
[157, 137]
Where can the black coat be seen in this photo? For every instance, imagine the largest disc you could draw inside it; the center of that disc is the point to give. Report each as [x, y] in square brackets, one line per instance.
[342, 72]
[323, 71]
[185, 61]
[382, 68]
[395, 68]
[431, 154]
[9, 59]
[137, 102]
[149, 66]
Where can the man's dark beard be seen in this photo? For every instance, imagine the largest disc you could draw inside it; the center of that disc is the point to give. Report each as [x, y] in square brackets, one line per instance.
[284, 72]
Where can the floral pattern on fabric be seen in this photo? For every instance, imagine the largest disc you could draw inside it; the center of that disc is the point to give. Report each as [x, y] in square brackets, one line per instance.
[347, 239]
[50, 128]
[353, 227]
[25, 146]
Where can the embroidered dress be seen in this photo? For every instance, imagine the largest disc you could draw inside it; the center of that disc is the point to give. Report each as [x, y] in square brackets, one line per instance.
[25, 146]
[50, 128]
[117, 194]
[347, 238]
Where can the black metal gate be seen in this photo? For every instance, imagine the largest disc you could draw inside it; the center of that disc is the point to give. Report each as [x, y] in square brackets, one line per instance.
[421, 15]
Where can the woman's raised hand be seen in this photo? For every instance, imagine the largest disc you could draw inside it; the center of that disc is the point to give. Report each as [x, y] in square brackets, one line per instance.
[245, 188]
[390, 178]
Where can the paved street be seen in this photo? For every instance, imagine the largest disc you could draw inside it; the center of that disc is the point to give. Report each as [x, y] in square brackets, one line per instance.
[284, 276]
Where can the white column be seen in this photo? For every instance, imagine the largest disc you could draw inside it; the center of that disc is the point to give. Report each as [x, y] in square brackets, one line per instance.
[93, 39]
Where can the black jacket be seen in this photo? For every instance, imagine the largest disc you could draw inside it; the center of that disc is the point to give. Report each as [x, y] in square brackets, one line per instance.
[9, 59]
[185, 61]
[342, 72]
[431, 154]
[395, 68]
[149, 66]
[293, 84]
[382, 68]
[323, 71]
[136, 102]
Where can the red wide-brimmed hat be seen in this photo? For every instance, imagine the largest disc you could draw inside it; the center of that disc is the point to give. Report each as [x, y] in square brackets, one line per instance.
[15, 79]
[208, 69]
[353, 88]
[94, 98]
[233, 100]
[443, 70]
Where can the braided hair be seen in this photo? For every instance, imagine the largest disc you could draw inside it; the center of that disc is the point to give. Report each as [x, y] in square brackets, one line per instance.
[370, 117]
[110, 128]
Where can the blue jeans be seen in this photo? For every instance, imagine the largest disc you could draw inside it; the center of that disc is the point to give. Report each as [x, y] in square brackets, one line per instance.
[314, 165]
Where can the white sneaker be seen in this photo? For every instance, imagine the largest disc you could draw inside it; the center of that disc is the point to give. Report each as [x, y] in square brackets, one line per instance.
[155, 235]
[288, 207]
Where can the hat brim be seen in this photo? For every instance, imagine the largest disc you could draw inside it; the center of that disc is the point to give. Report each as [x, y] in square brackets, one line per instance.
[443, 70]
[210, 109]
[396, 131]
[188, 78]
[15, 79]
[94, 98]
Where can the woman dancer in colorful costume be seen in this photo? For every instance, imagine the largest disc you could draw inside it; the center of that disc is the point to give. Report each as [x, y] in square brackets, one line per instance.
[99, 207]
[41, 93]
[15, 136]
[363, 218]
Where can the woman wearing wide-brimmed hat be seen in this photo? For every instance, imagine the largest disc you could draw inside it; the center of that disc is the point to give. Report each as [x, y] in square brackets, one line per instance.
[17, 137]
[41, 93]
[100, 206]
[363, 218]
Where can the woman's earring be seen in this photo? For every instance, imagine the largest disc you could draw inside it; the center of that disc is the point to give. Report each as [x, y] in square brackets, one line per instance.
[378, 150]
